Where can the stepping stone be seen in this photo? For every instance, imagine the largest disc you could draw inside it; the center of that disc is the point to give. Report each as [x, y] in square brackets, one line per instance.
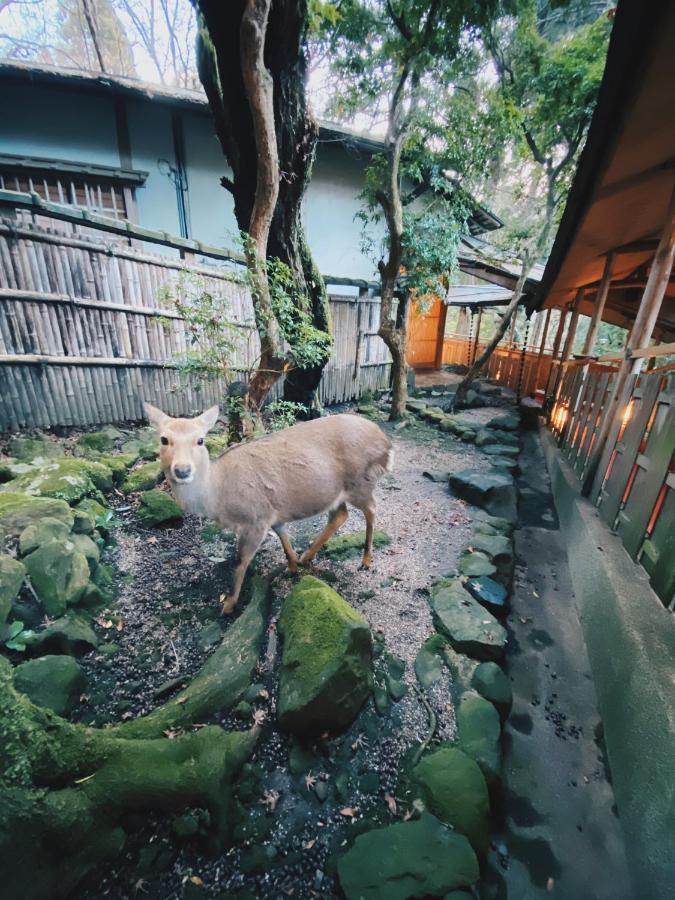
[479, 730]
[436, 475]
[492, 683]
[475, 564]
[504, 464]
[490, 593]
[500, 450]
[54, 682]
[494, 491]
[507, 422]
[468, 626]
[501, 525]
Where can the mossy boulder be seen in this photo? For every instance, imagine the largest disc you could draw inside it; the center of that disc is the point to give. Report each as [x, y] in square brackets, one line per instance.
[54, 682]
[158, 507]
[475, 564]
[83, 521]
[420, 858]
[100, 441]
[119, 464]
[326, 666]
[216, 444]
[88, 548]
[350, 546]
[479, 730]
[59, 573]
[68, 479]
[95, 512]
[12, 574]
[453, 788]
[43, 532]
[142, 478]
[26, 449]
[70, 634]
[492, 683]
[469, 627]
[17, 511]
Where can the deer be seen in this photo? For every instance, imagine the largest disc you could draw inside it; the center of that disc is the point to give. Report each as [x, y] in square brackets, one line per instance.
[263, 484]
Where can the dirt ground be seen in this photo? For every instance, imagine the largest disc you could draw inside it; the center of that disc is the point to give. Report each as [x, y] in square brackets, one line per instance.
[167, 620]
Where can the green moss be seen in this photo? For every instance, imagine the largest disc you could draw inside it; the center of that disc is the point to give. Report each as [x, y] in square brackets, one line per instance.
[118, 464]
[17, 511]
[142, 478]
[66, 479]
[96, 440]
[350, 546]
[12, 574]
[26, 449]
[157, 507]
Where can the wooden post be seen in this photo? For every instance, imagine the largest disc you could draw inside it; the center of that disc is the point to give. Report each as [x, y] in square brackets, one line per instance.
[639, 337]
[475, 343]
[440, 337]
[512, 329]
[542, 347]
[554, 352]
[599, 306]
[569, 340]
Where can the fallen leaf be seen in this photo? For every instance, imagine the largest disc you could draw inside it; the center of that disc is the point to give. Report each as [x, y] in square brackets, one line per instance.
[195, 879]
[182, 700]
[391, 803]
[120, 625]
[309, 844]
[407, 815]
[86, 778]
[349, 811]
[153, 540]
[550, 884]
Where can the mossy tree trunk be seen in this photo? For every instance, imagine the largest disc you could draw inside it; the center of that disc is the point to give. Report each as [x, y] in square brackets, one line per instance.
[65, 789]
[222, 60]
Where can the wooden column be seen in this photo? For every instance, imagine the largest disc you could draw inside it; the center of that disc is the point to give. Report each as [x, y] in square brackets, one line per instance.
[542, 347]
[554, 352]
[639, 337]
[440, 337]
[475, 343]
[569, 340]
[512, 328]
[598, 308]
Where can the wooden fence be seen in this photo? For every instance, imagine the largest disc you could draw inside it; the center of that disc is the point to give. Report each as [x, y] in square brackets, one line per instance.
[87, 332]
[505, 365]
[634, 488]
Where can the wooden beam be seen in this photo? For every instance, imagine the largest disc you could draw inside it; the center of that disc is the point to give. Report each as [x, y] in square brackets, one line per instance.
[475, 343]
[554, 352]
[599, 306]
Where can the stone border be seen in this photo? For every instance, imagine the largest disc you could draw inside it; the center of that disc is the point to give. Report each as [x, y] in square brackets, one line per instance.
[630, 638]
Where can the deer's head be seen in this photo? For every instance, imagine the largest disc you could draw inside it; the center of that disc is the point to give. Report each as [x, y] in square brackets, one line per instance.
[182, 453]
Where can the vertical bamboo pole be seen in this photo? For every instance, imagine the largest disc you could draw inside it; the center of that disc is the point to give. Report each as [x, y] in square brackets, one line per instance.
[542, 347]
[599, 305]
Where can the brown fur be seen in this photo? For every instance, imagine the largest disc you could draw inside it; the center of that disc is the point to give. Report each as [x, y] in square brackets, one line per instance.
[313, 467]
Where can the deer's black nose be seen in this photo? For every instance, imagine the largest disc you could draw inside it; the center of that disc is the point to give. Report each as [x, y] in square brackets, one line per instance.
[182, 472]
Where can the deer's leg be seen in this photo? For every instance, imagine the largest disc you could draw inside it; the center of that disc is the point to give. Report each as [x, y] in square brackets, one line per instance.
[336, 517]
[282, 534]
[369, 512]
[249, 541]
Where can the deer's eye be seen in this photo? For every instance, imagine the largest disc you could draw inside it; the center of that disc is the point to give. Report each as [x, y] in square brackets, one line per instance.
[164, 440]
[200, 441]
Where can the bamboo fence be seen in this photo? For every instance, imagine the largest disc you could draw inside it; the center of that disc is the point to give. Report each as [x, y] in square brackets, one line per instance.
[86, 334]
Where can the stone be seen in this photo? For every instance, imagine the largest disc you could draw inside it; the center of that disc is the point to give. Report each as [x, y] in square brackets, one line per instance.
[416, 405]
[499, 550]
[504, 437]
[491, 683]
[505, 422]
[119, 464]
[59, 574]
[489, 593]
[350, 546]
[68, 479]
[475, 564]
[326, 665]
[96, 512]
[95, 440]
[158, 507]
[479, 730]
[500, 450]
[453, 788]
[429, 667]
[71, 634]
[43, 532]
[500, 525]
[12, 574]
[88, 549]
[142, 478]
[209, 636]
[468, 626]
[493, 491]
[54, 682]
[17, 511]
[419, 858]
[83, 521]
[26, 449]
[504, 464]
[468, 436]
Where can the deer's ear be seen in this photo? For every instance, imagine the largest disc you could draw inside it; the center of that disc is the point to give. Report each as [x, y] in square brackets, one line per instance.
[155, 416]
[209, 417]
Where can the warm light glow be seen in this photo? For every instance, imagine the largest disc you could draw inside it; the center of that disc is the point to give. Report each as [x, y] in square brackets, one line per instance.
[628, 412]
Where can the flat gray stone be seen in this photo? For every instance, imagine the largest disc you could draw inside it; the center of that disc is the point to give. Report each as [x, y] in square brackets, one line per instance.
[500, 450]
[468, 626]
[494, 491]
[489, 593]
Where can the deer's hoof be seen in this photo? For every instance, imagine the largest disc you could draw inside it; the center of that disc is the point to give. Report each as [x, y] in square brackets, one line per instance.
[228, 605]
[365, 562]
[305, 561]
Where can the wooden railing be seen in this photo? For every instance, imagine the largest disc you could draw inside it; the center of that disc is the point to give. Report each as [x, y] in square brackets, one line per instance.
[528, 371]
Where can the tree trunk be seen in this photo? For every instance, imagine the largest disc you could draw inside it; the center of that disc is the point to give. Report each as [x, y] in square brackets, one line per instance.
[65, 790]
[463, 387]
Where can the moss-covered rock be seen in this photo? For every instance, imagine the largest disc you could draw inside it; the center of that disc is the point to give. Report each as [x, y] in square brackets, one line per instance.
[469, 627]
[68, 479]
[6, 468]
[17, 511]
[96, 513]
[350, 546]
[100, 441]
[479, 730]
[119, 464]
[326, 668]
[12, 574]
[71, 634]
[43, 532]
[420, 858]
[88, 549]
[83, 521]
[158, 507]
[54, 682]
[142, 478]
[25, 449]
[453, 788]
[491, 683]
[59, 574]
[475, 564]
[216, 444]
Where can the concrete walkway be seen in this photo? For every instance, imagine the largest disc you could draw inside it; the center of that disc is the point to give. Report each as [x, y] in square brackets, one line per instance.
[561, 836]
